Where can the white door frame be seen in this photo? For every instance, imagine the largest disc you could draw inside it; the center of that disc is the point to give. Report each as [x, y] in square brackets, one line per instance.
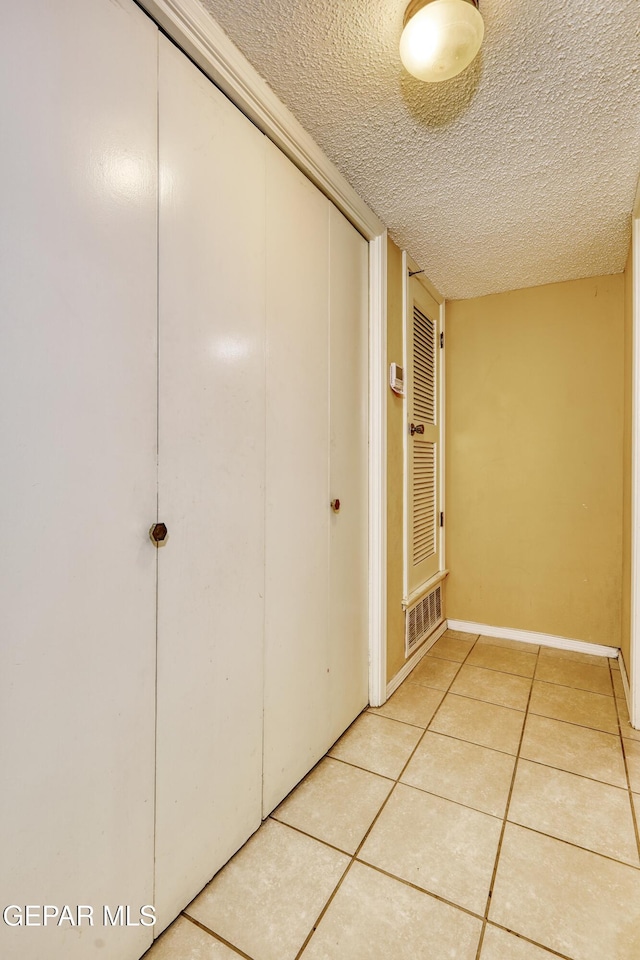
[189, 25]
[634, 665]
[409, 268]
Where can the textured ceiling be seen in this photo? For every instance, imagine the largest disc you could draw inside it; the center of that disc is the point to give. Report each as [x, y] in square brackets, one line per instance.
[521, 171]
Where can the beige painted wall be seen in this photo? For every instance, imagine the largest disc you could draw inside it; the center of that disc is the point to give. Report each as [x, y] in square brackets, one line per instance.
[395, 433]
[625, 638]
[534, 458]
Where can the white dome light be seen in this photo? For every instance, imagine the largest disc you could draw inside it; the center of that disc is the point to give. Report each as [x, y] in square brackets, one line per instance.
[440, 38]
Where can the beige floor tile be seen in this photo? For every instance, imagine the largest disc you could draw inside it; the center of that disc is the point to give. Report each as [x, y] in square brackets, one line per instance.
[520, 662]
[440, 846]
[632, 753]
[570, 900]
[575, 706]
[586, 812]
[572, 673]
[618, 687]
[374, 917]
[461, 771]
[556, 653]
[436, 673]
[636, 804]
[505, 689]
[183, 940]
[589, 753]
[451, 648]
[486, 724]
[625, 723]
[336, 803]
[268, 897]
[377, 744]
[461, 635]
[500, 945]
[411, 703]
[509, 644]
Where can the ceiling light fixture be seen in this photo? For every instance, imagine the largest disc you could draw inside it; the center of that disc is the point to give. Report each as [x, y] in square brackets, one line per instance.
[440, 38]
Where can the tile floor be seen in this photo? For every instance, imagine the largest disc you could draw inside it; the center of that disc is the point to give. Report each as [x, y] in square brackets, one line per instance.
[485, 812]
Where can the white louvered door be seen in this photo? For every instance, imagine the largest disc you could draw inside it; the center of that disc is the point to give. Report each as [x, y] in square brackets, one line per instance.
[423, 436]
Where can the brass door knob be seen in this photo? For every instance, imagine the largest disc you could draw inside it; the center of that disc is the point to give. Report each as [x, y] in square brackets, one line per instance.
[335, 506]
[419, 429]
[158, 534]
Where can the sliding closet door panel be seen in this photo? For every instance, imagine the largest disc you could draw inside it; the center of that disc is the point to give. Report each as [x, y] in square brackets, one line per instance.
[78, 93]
[297, 521]
[211, 481]
[348, 562]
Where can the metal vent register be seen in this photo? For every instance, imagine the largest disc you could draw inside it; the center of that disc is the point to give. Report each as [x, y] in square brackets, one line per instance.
[421, 619]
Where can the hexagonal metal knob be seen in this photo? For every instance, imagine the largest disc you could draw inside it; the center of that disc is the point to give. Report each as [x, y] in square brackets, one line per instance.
[159, 534]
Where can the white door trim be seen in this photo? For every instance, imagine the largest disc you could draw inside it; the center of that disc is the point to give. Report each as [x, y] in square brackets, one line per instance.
[378, 470]
[634, 665]
[189, 25]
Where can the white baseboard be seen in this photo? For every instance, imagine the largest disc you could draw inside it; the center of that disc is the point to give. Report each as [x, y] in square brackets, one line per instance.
[529, 636]
[415, 659]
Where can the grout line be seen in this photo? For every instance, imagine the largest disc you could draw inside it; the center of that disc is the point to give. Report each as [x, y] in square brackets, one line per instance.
[483, 746]
[311, 836]
[373, 712]
[324, 910]
[463, 696]
[583, 776]
[504, 822]
[574, 723]
[570, 686]
[575, 846]
[534, 943]
[634, 817]
[422, 890]
[354, 856]
[348, 763]
[216, 936]
[481, 940]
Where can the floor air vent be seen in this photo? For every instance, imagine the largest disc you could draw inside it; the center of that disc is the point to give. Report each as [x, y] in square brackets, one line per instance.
[421, 619]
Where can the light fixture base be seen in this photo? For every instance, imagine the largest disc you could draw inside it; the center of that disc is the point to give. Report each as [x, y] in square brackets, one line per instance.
[416, 5]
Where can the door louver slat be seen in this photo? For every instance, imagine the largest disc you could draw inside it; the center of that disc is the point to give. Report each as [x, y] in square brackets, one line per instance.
[423, 367]
[424, 501]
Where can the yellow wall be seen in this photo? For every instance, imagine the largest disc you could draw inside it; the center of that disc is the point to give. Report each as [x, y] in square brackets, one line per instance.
[626, 467]
[534, 431]
[395, 433]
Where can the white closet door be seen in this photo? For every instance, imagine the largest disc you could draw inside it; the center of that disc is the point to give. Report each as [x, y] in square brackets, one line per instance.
[298, 510]
[78, 475]
[211, 481]
[348, 559]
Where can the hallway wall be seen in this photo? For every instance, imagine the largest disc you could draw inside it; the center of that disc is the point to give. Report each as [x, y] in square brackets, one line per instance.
[534, 459]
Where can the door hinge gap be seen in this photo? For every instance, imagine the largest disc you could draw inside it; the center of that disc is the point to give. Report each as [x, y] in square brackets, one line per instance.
[442, 519]
[441, 340]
